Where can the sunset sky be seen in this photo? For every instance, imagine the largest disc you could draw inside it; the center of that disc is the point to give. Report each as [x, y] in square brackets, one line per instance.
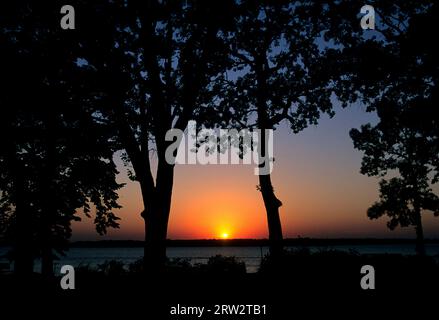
[316, 176]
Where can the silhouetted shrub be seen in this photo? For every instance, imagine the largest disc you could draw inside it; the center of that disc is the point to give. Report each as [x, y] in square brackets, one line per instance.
[303, 260]
[216, 264]
[136, 266]
[178, 265]
[85, 269]
[112, 268]
[172, 265]
[222, 264]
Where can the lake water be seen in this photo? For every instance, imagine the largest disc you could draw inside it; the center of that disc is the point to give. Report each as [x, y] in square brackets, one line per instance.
[250, 255]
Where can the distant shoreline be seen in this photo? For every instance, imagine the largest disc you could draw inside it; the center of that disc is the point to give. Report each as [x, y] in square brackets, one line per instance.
[245, 242]
[248, 242]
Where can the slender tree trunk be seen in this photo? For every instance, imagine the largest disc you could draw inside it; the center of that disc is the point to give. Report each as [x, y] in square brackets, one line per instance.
[271, 202]
[47, 220]
[46, 252]
[47, 262]
[420, 245]
[24, 261]
[48, 191]
[272, 205]
[23, 248]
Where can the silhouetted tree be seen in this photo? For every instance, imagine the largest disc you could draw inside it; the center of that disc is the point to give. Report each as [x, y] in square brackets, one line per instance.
[54, 157]
[288, 66]
[401, 66]
[151, 63]
[398, 144]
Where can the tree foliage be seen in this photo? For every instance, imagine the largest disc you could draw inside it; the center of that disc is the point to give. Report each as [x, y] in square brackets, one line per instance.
[405, 141]
[56, 161]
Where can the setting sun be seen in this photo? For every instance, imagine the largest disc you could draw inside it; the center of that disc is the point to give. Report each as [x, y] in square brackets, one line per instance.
[224, 235]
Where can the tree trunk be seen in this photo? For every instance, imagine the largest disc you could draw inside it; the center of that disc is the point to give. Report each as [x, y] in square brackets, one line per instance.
[23, 249]
[47, 262]
[23, 244]
[271, 202]
[46, 250]
[47, 219]
[154, 254]
[272, 205]
[156, 216]
[156, 196]
[420, 245]
[48, 190]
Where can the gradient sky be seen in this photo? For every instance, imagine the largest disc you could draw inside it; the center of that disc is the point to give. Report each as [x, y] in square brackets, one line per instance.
[316, 176]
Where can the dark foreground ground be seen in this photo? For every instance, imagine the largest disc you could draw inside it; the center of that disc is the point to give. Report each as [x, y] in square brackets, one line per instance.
[315, 285]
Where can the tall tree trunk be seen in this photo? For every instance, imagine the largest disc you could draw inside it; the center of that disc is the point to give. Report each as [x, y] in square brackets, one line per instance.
[23, 242]
[47, 261]
[420, 245]
[271, 202]
[23, 249]
[48, 191]
[46, 250]
[153, 250]
[156, 195]
[156, 216]
[155, 240]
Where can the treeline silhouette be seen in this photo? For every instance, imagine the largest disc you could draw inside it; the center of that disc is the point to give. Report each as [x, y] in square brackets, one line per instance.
[132, 70]
[287, 242]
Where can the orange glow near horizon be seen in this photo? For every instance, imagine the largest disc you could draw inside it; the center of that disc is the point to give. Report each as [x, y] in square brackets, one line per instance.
[224, 204]
[322, 191]
[223, 209]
